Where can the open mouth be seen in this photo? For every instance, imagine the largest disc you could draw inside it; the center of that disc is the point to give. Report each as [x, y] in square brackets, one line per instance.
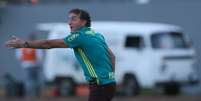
[71, 27]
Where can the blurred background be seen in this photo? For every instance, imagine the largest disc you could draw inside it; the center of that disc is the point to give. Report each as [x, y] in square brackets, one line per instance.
[22, 17]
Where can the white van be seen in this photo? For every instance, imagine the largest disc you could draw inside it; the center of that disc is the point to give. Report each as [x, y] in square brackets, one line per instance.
[148, 55]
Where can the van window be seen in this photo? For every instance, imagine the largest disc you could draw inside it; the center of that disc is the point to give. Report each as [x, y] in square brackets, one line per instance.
[134, 42]
[169, 40]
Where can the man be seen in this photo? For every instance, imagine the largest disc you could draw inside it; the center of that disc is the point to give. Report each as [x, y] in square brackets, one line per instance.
[96, 59]
[30, 60]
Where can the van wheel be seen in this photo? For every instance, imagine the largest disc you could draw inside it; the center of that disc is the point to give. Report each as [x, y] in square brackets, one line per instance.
[130, 85]
[172, 88]
[66, 86]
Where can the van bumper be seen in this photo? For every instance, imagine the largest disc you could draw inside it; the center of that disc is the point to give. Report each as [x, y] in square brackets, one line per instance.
[190, 82]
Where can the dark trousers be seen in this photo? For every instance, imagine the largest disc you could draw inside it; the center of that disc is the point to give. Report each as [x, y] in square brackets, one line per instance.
[101, 92]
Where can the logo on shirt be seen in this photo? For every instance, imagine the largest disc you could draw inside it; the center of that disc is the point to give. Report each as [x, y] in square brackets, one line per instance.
[111, 75]
[72, 37]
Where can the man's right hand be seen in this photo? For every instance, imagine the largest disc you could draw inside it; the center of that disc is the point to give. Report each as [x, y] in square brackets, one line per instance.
[15, 42]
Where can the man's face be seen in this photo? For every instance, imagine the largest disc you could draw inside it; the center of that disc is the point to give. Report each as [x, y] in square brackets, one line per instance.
[75, 22]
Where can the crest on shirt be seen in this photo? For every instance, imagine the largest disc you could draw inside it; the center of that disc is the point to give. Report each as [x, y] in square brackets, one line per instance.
[72, 37]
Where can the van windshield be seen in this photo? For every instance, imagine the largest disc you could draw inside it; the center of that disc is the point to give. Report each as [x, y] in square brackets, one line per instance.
[169, 40]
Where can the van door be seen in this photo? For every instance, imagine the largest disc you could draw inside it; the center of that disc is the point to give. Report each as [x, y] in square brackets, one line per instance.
[132, 52]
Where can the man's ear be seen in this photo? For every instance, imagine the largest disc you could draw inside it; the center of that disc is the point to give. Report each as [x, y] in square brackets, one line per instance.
[84, 22]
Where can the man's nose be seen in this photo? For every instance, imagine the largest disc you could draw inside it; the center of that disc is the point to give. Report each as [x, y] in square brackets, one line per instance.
[69, 22]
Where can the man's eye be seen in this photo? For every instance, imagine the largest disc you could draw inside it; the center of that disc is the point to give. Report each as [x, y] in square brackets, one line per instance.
[73, 18]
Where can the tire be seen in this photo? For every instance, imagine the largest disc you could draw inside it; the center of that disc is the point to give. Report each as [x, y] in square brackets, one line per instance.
[172, 88]
[130, 85]
[66, 86]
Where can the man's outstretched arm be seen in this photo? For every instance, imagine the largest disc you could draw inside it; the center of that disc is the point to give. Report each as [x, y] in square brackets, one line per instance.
[15, 42]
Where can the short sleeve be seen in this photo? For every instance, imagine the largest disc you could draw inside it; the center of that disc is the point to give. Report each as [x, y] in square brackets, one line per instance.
[73, 40]
[101, 36]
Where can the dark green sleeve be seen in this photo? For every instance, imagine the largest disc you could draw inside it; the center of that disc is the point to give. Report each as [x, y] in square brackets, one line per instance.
[101, 36]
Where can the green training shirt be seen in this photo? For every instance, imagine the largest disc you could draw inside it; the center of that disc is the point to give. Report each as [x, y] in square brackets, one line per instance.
[92, 53]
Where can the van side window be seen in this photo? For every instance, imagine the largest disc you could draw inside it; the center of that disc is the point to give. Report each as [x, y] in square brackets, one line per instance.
[134, 42]
[169, 40]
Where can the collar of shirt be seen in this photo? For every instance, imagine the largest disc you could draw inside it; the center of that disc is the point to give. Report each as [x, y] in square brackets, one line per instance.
[81, 29]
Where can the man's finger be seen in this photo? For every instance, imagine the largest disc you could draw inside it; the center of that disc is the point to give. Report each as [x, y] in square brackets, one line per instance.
[10, 45]
[13, 37]
[10, 42]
